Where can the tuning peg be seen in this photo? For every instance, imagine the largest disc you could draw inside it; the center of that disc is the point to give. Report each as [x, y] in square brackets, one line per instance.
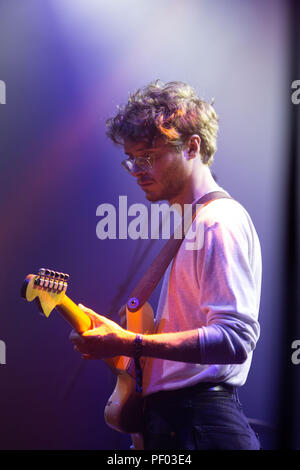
[53, 280]
[66, 279]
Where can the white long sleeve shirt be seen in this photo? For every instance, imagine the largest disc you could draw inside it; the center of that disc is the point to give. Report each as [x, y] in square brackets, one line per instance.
[215, 289]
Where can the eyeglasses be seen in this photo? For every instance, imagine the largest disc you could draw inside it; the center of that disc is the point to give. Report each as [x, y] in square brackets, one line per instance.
[138, 163]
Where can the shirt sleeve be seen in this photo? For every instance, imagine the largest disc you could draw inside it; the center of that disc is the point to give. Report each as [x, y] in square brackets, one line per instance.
[229, 293]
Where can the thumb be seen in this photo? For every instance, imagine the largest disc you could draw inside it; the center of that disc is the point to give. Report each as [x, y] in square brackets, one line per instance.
[93, 315]
[82, 307]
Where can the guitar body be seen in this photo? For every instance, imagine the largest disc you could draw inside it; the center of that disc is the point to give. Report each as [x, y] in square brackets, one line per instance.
[124, 408]
[123, 411]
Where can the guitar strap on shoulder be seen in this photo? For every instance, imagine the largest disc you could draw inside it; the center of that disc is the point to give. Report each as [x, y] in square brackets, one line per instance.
[154, 273]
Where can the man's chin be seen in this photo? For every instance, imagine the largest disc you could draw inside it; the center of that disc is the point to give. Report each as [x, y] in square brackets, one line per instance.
[152, 197]
[155, 197]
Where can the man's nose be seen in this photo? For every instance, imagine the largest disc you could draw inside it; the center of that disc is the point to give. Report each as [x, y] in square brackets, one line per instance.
[136, 172]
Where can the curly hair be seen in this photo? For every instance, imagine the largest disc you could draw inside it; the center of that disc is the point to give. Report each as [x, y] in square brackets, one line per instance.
[171, 111]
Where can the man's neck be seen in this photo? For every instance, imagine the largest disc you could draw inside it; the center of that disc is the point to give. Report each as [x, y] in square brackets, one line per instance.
[199, 185]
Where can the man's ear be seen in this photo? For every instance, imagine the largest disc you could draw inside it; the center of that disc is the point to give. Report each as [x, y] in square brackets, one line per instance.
[193, 146]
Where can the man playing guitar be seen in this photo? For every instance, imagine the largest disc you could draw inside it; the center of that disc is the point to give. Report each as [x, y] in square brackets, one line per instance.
[206, 322]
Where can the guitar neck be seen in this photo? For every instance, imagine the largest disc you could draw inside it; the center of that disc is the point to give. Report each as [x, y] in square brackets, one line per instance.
[79, 320]
[41, 289]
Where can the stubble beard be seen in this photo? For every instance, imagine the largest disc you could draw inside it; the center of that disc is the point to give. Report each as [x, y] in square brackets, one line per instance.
[172, 185]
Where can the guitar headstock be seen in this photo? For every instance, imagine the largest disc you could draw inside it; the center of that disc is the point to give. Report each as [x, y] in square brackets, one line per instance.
[48, 288]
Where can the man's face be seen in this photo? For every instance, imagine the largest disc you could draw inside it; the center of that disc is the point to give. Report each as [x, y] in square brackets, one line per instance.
[168, 175]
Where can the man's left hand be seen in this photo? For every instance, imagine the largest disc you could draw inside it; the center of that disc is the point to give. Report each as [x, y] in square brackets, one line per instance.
[106, 339]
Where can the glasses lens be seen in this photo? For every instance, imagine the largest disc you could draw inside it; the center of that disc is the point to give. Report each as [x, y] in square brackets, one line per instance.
[127, 164]
[140, 163]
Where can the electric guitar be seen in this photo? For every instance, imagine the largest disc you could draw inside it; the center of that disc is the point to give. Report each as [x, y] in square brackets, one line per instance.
[123, 411]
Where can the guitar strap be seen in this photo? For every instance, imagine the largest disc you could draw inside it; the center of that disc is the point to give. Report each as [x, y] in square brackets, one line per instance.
[152, 276]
